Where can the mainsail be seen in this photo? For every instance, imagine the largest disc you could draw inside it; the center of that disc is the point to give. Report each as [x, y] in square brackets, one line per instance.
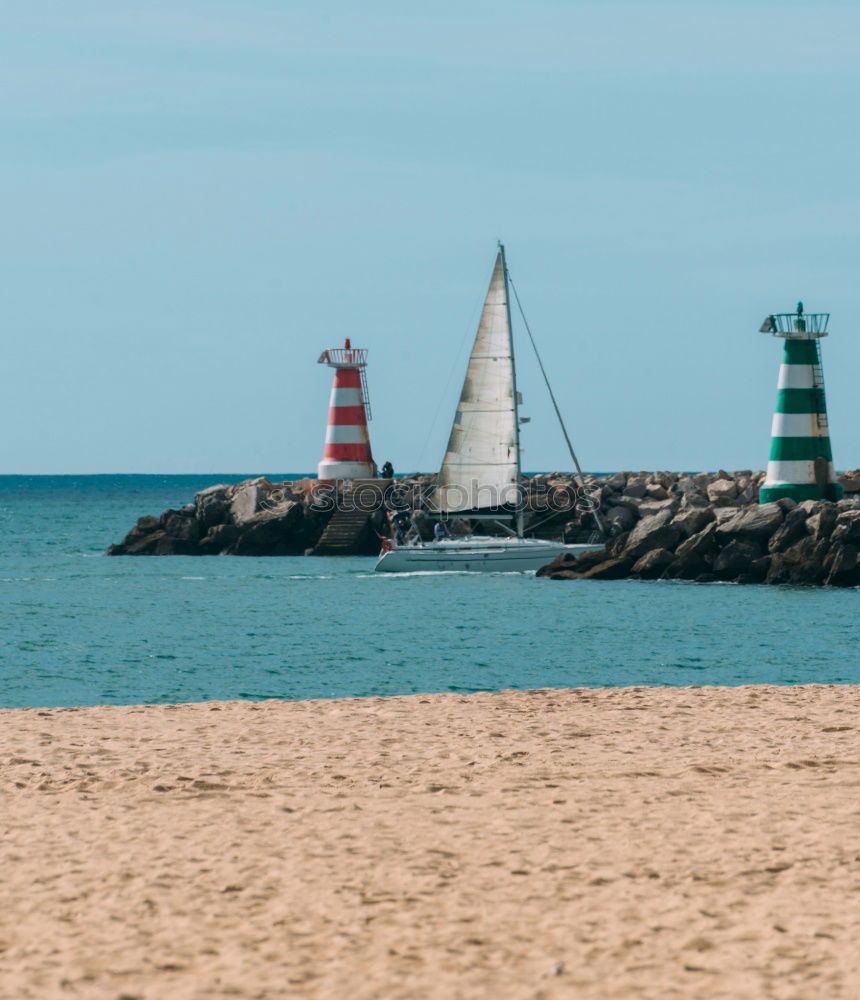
[481, 464]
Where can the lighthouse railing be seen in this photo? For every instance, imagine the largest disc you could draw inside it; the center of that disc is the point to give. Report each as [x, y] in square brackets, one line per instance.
[797, 324]
[344, 357]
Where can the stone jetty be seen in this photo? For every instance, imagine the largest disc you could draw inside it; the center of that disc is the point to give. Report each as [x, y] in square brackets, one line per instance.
[258, 517]
[711, 527]
[659, 525]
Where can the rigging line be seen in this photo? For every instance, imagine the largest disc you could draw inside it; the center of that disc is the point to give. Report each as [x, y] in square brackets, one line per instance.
[580, 478]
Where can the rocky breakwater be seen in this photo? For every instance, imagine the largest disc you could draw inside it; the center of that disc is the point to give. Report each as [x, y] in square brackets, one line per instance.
[252, 518]
[711, 528]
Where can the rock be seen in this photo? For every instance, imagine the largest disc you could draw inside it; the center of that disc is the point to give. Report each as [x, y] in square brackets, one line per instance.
[843, 566]
[146, 524]
[271, 533]
[692, 521]
[616, 546]
[611, 569]
[694, 499]
[851, 481]
[758, 570]
[647, 508]
[686, 484]
[652, 564]
[653, 532]
[588, 560]
[632, 503]
[212, 506]
[723, 514]
[746, 495]
[736, 558]
[167, 545]
[800, 563]
[722, 490]
[791, 529]
[245, 503]
[143, 545]
[617, 481]
[181, 526]
[620, 518]
[847, 528]
[573, 566]
[218, 539]
[697, 546]
[563, 561]
[657, 491]
[635, 487]
[823, 521]
[757, 522]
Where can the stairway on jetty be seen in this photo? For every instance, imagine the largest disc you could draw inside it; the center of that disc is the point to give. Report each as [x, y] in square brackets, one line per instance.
[348, 533]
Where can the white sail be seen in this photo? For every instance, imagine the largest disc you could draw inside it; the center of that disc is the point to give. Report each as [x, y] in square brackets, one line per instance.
[481, 464]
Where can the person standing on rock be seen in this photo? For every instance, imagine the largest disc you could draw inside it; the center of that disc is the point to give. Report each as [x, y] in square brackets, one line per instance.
[387, 471]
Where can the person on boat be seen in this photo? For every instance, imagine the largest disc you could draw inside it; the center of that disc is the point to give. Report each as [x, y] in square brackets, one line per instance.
[440, 531]
[387, 471]
[400, 525]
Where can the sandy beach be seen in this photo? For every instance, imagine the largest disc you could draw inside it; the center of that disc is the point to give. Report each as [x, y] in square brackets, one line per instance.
[639, 842]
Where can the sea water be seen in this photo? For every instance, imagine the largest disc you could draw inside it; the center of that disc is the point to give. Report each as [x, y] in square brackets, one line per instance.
[78, 628]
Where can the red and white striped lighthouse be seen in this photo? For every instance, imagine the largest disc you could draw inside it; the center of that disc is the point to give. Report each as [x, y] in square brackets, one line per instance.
[347, 443]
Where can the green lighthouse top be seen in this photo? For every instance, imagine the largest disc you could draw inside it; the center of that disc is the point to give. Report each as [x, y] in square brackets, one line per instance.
[798, 325]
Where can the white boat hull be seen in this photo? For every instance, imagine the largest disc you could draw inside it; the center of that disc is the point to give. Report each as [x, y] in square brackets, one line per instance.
[475, 554]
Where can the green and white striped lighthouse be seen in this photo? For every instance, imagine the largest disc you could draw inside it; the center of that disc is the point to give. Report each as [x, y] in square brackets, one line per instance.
[801, 460]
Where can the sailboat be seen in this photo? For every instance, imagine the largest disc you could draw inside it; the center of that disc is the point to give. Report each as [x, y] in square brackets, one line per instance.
[480, 474]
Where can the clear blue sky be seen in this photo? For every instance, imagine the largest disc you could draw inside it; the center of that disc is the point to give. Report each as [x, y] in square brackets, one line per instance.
[199, 196]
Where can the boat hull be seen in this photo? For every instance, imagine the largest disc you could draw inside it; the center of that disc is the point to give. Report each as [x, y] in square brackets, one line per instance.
[476, 555]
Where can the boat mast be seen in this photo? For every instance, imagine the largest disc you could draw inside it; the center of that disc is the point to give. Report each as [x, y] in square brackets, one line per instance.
[519, 513]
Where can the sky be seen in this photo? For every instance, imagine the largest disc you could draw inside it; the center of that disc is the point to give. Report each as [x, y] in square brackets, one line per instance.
[199, 196]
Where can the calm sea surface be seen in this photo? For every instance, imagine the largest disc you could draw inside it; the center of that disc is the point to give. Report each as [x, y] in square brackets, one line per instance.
[77, 628]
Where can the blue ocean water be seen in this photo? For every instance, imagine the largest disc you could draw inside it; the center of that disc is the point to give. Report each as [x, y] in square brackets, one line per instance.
[77, 628]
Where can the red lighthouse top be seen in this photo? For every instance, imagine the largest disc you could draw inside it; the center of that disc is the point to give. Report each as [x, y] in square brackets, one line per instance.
[344, 357]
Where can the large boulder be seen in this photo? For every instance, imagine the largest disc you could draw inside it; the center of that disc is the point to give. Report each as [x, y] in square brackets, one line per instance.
[843, 566]
[823, 521]
[791, 530]
[847, 528]
[170, 546]
[656, 491]
[563, 561]
[636, 487]
[620, 518]
[617, 481]
[722, 491]
[851, 481]
[692, 520]
[218, 539]
[212, 506]
[245, 502]
[274, 532]
[143, 544]
[647, 508]
[736, 558]
[800, 563]
[181, 525]
[697, 546]
[610, 569]
[652, 564]
[655, 532]
[757, 522]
